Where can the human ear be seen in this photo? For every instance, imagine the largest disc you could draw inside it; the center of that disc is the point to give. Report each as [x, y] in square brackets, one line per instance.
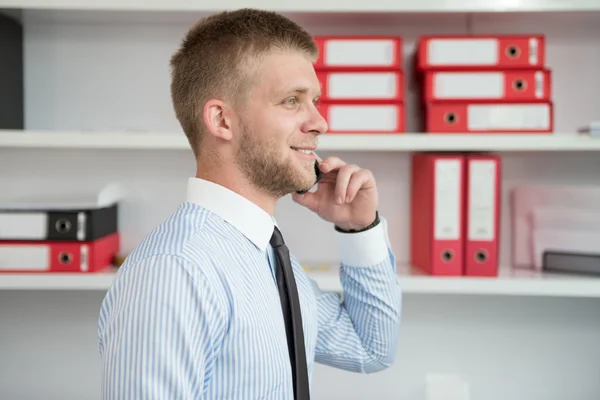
[216, 119]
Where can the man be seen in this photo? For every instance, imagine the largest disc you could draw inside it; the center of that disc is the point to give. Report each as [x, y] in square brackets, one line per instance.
[207, 306]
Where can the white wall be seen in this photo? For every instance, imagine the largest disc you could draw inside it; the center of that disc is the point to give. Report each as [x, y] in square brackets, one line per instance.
[88, 73]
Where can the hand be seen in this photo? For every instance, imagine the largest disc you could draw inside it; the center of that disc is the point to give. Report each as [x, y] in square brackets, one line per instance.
[346, 195]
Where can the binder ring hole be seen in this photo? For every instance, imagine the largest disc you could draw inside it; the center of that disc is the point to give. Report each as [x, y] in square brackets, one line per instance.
[519, 85]
[481, 256]
[450, 117]
[62, 226]
[447, 255]
[512, 51]
[64, 257]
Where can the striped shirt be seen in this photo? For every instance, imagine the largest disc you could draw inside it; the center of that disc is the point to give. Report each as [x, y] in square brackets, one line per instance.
[194, 311]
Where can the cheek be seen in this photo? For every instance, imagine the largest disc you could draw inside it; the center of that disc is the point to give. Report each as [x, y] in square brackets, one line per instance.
[276, 125]
[281, 126]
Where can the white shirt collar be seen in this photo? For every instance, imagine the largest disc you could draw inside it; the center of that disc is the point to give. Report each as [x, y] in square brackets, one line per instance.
[251, 220]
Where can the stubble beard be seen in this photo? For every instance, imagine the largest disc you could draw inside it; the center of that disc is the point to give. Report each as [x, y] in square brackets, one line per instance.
[264, 167]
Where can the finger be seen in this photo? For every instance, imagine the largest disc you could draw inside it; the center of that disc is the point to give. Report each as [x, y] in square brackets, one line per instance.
[308, 200]
[362, 179]
[331, 164]
[343, 179]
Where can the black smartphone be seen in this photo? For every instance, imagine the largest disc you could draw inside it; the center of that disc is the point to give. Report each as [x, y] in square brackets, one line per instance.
[319, 176]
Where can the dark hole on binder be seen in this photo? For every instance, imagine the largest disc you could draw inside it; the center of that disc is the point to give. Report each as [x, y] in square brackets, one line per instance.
[481, 256]
[519, 85]
[447, 255]
[512, 51]
[64, 258]
[63, 226]
[451, 117]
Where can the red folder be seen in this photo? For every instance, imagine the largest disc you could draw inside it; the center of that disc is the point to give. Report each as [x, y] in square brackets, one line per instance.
[359, 52]
[481, 51]
[363, 117]
[437, 213]
[488, 117]
[58, 256]
[507, 85]
[482, 214]
[362, 86]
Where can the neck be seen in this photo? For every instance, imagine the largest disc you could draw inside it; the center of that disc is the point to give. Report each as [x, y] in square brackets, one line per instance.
[237, 184]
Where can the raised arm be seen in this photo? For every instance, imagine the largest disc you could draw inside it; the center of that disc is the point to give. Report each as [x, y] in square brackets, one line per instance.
[360, 333]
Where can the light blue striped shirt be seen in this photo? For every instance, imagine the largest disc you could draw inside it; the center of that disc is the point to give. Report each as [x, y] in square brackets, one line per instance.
[194, 311]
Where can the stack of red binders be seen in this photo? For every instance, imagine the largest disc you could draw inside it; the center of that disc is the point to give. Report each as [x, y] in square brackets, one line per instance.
[362, 83]
[485, 84]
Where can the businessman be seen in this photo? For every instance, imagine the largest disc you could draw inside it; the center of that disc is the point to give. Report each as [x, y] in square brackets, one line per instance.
[212, 304]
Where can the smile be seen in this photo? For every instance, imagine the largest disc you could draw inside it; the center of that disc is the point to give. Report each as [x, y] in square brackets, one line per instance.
[305, 154]
[305, 151]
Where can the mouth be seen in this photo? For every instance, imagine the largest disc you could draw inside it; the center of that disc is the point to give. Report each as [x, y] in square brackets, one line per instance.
[304, 150]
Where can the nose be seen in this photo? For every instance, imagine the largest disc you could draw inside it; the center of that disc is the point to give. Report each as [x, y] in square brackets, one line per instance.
[316, 124]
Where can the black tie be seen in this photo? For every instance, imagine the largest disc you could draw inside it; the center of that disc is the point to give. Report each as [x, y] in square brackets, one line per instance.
[290, 304]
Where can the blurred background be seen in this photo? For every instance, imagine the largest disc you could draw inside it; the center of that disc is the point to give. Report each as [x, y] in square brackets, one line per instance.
[478, 119]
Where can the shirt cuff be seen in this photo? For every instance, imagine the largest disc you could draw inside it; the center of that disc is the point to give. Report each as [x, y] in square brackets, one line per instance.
[366, 248]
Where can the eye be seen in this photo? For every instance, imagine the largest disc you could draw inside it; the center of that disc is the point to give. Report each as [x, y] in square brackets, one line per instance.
[317, 102]
[290, 101]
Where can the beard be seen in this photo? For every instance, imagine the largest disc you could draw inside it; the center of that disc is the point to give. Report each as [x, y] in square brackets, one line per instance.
[261, 161]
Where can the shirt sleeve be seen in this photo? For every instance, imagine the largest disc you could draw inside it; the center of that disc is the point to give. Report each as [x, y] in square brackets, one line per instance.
[358, 331]
[159, 331]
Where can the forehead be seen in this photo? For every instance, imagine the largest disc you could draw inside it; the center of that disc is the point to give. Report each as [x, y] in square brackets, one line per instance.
[282, 71]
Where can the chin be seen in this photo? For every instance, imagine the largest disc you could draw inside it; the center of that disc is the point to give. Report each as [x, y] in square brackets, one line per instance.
[307, 181]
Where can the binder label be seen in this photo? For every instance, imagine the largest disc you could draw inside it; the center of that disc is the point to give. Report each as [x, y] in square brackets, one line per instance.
[539, 84]
[533, 51]
[365, 117]
[84, 258]
[81, 225]
[481, 202]
[23, 226]
[477, 51]
[461, 85]
[380, 85]
[447, 200]
[24, 257]
[508, 117]
[346, 52]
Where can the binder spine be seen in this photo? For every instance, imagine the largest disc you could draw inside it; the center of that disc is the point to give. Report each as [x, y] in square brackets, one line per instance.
[102, 222]
[82, 225]
[12, 113]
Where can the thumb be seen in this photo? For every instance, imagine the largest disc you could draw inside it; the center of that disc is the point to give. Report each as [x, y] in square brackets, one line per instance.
[308, 200]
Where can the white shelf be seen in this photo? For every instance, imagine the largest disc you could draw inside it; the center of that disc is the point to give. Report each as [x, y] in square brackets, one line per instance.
[312, 5]
[336, 142]
[509, 283]
[57, 281]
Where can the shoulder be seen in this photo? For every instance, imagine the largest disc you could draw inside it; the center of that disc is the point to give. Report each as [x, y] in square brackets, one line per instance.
[171, 236]
[168, 272]
[176, 252]
[190, 233]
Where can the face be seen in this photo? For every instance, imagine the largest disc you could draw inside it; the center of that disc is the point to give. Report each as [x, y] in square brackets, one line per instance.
[279, 126]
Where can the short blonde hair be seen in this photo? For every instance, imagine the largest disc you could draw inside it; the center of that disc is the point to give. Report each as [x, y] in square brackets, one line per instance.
[212, 60]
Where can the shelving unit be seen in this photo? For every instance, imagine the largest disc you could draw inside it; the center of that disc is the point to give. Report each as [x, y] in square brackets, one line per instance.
[398, 142]
[98, 111]
[510, 282]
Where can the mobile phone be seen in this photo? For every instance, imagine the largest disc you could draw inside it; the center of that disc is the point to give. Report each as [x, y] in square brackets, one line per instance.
[319, 176]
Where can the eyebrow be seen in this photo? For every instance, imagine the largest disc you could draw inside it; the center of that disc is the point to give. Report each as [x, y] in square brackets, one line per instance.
[301, 90]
